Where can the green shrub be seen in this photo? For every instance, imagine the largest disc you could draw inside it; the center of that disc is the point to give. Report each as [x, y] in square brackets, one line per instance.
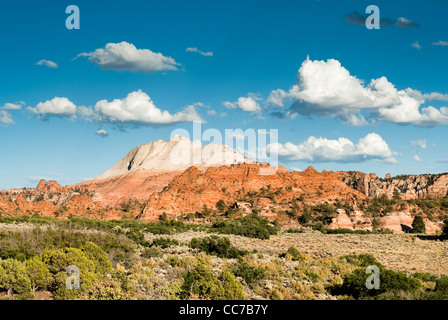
[294, 230]
[418, 225]
[219, 246]
[293, 254]
[38, 273]
[221, 206]
[204, 284]
[345, 231]
[362, 260]
[391, 282]
[440, 290]
[445, 228]
[90, 271]
[164, 243]
[252, 226]
[425, 276]
[137, 237]
[106, 289]
[96, 254]
[250, 274]
[319, 227]
[232, 287]
[305, 217]
[13, 277]
[153, 252]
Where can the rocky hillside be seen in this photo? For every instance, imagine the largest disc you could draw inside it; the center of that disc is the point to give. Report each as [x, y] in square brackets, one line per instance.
[148, 168]
[243, 186]
[406, 186]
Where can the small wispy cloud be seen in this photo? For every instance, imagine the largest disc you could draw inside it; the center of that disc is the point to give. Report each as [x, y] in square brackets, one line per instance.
[13, 106]
[416, 45]
[6, 118]
[404, 23]
[47, 63]
[421, 143]
[102, 133]
[194, 49]
[358, 19]
[441, 43]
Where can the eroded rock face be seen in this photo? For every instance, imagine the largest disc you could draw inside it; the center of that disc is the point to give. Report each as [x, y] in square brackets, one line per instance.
[409, 186]
[148, 168]
[51, 186]
[191, 190]
[137, 185]
[177, 154]
[401, 222]
[341, 221]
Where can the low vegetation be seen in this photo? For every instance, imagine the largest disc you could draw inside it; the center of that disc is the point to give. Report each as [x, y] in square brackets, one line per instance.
[120, 260]
[252, 226]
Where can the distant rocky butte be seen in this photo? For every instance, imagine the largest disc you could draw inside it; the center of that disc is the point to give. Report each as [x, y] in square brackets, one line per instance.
[191, 190]
[409, 186]
[149, 168]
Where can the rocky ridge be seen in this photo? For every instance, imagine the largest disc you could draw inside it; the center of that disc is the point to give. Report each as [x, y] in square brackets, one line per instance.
[408, 186]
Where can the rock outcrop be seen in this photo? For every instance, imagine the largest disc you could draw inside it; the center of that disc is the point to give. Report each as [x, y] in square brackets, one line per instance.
[408, 186]
[148, 168]
[194, 189]
[50, 187]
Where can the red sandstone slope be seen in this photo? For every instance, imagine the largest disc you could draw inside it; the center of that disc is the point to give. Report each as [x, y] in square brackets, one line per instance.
[138, 185]
[193, 189]
[148, 168]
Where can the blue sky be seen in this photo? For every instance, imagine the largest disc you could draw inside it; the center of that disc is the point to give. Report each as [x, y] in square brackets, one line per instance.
[257, 47]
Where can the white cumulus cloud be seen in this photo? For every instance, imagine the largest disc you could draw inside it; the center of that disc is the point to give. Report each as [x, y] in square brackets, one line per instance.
[248, 104]
[371, 147]
[138, 108]
[125, 56]
[58, 106]
[326, 88]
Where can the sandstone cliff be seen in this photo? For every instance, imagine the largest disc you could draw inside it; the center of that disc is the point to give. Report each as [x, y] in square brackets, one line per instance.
[409, 186]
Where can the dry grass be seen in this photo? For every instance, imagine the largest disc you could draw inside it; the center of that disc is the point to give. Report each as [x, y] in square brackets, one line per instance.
[402, 252]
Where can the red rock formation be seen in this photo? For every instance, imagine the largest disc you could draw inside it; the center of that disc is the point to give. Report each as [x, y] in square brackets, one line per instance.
[342, 220]
[193, 189]
[138, 185]
[409, 186]
[51, 186]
